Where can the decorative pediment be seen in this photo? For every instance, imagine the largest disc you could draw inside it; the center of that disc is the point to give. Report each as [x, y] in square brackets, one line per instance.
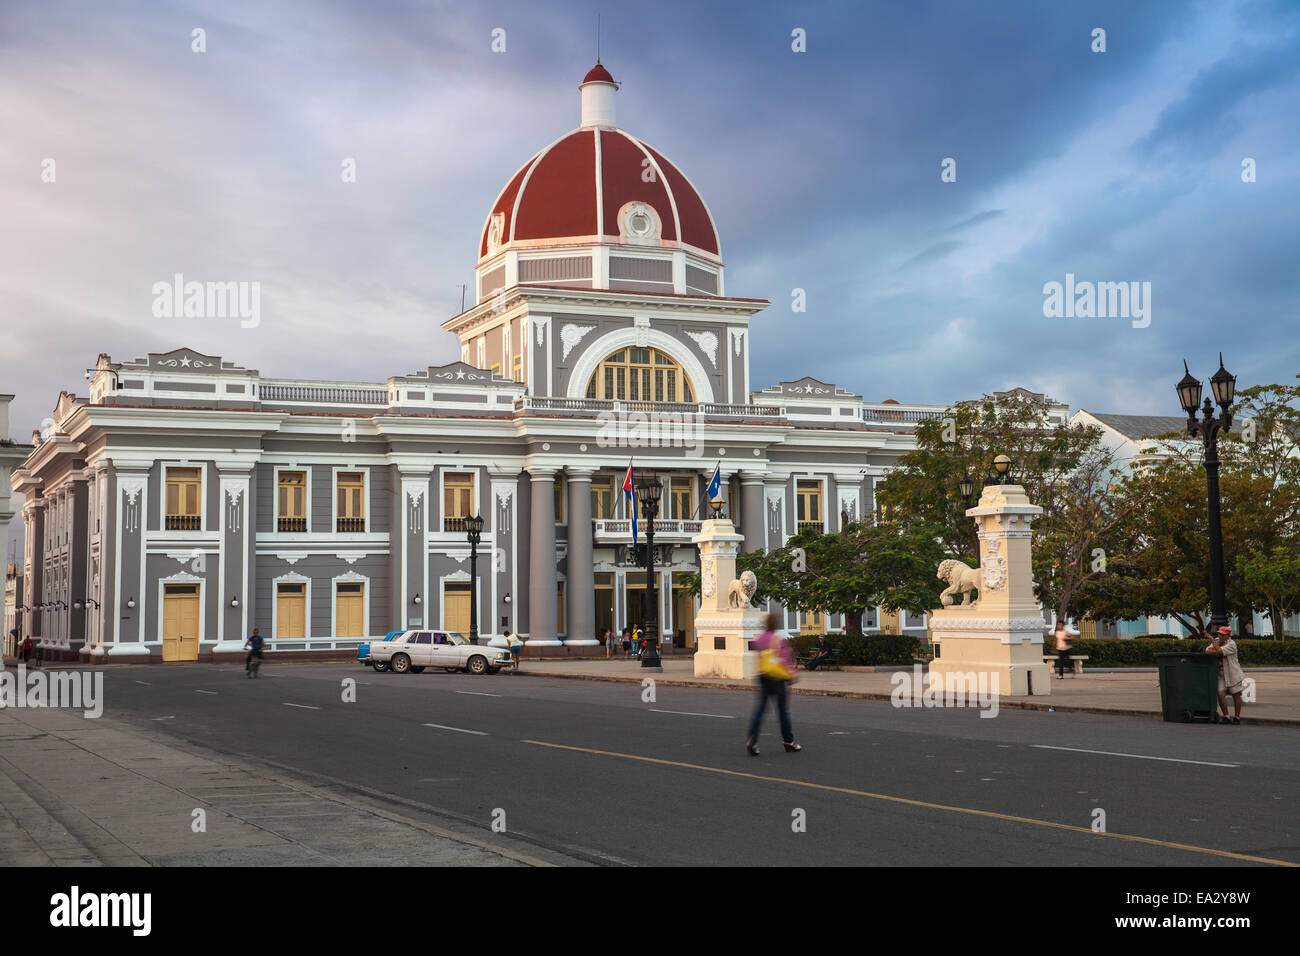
[184, 360]
[456, 373]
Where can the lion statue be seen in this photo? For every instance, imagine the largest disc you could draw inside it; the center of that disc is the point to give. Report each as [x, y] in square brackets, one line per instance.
[961, 579]
[741, 592]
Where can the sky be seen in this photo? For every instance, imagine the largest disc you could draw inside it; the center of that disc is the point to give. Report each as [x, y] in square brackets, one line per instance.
[822, 169]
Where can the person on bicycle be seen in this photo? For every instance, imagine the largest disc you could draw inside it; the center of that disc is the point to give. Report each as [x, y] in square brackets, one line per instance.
[254, 643]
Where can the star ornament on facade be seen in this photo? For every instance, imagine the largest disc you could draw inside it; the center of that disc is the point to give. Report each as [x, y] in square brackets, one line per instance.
[185, 362]
[460, 373]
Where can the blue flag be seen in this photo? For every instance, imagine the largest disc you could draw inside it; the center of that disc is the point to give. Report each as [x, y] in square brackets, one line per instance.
[715, 483]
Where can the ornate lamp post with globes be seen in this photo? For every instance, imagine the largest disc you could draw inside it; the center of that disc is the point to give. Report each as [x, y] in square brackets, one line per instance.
[1207, 428]
[649, 490]
[474, 532]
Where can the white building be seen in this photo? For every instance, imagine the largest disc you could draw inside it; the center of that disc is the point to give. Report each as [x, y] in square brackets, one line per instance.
[188, 499]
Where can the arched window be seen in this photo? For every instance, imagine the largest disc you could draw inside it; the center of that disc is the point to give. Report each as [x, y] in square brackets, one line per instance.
[645, 375]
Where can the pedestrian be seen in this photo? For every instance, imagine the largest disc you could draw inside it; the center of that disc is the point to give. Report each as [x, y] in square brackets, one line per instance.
[27, 649]
[1231, 678]
[1062, 650]
[608, 640]
[516, 644]
[775, 672]
[823, 652]
[627, 641]
[38, 649]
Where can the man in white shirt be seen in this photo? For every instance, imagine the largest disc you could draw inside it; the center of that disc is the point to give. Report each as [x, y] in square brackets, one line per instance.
[1232, 679]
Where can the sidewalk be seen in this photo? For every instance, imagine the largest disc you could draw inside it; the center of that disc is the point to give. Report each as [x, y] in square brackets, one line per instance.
[1131, 693]
[78, 792]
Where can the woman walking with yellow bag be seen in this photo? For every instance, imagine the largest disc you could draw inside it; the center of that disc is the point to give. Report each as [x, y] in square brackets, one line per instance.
[775, 672]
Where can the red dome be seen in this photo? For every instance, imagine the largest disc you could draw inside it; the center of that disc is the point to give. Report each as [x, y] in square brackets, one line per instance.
[574, 189]
[596, 73]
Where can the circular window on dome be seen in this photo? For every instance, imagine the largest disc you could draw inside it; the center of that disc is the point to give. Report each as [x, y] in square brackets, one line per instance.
[639, 222]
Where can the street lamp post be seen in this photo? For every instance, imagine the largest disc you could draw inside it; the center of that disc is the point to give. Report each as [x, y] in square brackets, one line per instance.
[967, 488]
[648, 490]
[1207, 428]
[473, 531]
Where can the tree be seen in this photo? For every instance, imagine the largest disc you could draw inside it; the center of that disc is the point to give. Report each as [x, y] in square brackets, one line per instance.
[1159, 564]
[1064, 469]
[1274, 580]
[863, 565]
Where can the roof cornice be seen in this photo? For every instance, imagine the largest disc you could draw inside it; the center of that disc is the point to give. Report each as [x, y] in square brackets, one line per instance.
[556, 297]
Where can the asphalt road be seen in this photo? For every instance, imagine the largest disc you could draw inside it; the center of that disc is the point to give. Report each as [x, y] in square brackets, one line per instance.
[591, 769]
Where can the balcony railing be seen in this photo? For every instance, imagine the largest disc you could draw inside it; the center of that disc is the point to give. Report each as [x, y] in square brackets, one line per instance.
[331, 393]
[291, 524]
[667, 529]
[351, 524]
[805, 525]
[455, 524]
[541, 403]
[183, 523]
[890, 414]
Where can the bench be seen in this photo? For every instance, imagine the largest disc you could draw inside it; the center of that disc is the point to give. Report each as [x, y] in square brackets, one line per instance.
[829, 664]
[1078, 660]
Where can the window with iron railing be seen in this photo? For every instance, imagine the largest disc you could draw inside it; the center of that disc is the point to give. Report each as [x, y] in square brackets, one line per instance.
[351, 515]
[291, 513]
[184, 488]
[457, 499]
[808, 505]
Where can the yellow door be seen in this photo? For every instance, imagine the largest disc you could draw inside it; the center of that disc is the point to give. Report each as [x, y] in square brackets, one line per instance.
[181, 623]
[290, 611]
[455, 609]
[814, 622]
[349, 611]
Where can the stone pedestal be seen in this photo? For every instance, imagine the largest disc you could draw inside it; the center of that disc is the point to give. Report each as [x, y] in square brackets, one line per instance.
[723, 633]
[1001, 633]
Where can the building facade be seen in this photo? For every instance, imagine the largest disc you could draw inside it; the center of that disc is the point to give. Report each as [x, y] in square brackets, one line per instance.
[187, 500]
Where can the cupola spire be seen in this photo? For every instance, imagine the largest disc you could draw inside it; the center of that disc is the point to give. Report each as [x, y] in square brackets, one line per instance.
[598, 89]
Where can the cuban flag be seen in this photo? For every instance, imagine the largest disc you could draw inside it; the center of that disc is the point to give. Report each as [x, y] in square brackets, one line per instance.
[715, 483]
[629, 489]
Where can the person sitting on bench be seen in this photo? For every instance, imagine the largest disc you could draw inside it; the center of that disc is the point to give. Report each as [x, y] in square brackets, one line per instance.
[823, 652]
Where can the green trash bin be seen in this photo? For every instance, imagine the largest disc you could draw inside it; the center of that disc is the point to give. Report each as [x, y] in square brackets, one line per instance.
[1189, 687]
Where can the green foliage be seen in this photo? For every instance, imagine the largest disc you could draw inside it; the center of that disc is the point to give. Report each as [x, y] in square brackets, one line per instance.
[1159, 559]
[863, 650]
[1064, 470]
[845, 572]
[1141, 651]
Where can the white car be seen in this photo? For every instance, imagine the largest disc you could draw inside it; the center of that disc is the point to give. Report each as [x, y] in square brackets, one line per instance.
[450, 650]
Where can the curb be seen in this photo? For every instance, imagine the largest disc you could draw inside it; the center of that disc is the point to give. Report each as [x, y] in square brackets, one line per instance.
[871, 695]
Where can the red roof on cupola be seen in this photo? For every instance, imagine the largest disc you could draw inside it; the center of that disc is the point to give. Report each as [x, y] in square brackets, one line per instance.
[573, 191]
[597, 73]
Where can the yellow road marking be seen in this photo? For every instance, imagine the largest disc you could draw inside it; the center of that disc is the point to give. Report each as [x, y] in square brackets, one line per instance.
[921, 803]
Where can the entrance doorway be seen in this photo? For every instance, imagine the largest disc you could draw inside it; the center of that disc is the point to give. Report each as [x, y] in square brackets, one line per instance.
[683, 612]
[455, 608]
[349, 611]
[605, 603]
[291, 610]
[180, 638]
